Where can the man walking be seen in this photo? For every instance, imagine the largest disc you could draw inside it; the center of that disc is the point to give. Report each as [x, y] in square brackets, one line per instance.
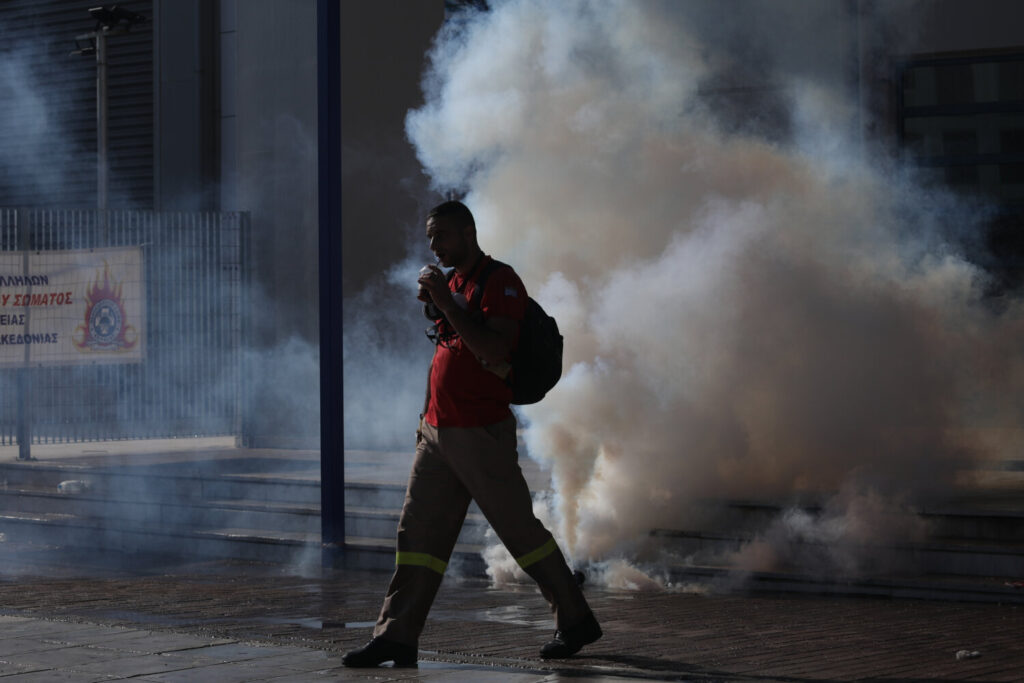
[466, 450]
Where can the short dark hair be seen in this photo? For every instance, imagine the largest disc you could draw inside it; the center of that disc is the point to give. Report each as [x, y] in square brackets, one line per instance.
[454, 209]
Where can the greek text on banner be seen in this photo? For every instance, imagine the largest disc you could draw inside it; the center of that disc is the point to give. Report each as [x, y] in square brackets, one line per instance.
[72, 307]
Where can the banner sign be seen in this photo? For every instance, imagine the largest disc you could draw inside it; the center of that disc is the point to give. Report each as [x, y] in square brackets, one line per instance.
[72, 307]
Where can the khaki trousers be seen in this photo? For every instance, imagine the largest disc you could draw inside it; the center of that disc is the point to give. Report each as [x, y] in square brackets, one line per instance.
[454, 465]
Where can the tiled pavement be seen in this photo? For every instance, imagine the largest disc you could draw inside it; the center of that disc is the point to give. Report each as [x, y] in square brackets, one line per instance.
[235, 622]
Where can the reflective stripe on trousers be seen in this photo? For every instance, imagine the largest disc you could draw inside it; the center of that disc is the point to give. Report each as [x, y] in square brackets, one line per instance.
[535, 556]
[420, 560]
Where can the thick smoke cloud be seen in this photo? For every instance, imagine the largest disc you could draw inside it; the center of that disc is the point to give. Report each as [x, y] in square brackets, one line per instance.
[386, 359]
[753, 306]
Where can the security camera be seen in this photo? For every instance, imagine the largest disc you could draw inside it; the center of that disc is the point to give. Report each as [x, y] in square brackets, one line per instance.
[112, 16]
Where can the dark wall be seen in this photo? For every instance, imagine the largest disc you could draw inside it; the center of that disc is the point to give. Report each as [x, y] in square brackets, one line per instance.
[384, 192]
[185, 80]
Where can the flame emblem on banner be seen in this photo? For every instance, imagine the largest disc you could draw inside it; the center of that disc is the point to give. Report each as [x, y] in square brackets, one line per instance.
[105, 328]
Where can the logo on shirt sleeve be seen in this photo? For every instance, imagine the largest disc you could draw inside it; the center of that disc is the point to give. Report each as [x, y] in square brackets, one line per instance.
[511, 291]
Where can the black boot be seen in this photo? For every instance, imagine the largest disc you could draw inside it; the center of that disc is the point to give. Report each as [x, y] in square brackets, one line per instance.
[378, 651]
[569, 641]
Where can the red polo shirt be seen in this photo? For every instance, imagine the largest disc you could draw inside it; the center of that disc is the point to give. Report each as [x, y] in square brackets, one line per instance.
[462, 392]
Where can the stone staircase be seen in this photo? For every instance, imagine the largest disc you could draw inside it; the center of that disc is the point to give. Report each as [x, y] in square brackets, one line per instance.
[973, 550]
[265, 506]
[262, 508]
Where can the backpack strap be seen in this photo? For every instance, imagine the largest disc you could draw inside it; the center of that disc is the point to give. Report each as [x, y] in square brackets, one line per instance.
[481, 281]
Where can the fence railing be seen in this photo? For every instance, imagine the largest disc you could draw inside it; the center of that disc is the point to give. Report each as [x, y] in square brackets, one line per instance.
[190, 381]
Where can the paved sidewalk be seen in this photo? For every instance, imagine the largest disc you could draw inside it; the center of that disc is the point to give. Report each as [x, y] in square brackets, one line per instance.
[67, 621]
[35, 649]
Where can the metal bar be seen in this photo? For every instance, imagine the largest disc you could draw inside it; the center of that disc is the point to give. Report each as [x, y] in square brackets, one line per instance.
[963, 59]
[968, 159]
[24, 386]
[9, 243]
[24, 435]
[206, 291]
[332, 437]
[964, 109]
[176, 323]
[245, 332]
[101, 120]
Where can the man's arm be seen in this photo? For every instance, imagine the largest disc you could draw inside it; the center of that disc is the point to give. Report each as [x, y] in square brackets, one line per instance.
[491, 341]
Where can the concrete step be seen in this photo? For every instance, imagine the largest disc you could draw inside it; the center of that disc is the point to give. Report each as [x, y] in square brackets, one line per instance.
[960, 557]
[276, 484]
[925, 587]
[214, 543]
[979, 520]
[993, 518]
[172, 515]
[374, 495]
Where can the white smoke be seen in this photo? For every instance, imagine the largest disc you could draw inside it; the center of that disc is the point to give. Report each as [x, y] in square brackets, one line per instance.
[751, 307]
[386, 359]
[39, 158]
[850, 537]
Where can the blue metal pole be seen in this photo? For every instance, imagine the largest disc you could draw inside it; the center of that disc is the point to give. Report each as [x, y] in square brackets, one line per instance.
[332, 437]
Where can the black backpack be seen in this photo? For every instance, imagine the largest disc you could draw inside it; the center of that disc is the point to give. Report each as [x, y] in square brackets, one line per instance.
[537, 360]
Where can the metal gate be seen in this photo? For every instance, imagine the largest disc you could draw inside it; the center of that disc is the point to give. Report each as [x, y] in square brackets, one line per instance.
[190, 382]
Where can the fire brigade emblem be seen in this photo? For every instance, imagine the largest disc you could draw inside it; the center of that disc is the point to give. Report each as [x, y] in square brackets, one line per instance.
[105, 328]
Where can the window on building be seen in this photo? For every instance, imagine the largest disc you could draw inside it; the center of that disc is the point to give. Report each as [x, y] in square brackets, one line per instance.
[961, 120]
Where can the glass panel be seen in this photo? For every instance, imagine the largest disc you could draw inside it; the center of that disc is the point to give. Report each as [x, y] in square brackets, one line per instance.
[967, 134]
[959, 141]
[962, 178]
[1011, 141]
[956, 84]
[1011, 81]
[1010, 189]
[919, 87]
[1012, 174]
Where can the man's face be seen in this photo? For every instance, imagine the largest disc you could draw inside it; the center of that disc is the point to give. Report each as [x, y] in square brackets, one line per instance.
[447, 240]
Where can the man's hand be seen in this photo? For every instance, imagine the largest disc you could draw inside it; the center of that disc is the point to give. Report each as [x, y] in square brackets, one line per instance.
[490, 340]
[434, 285]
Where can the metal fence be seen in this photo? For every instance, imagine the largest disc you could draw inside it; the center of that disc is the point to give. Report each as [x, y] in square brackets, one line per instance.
[190, 382]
